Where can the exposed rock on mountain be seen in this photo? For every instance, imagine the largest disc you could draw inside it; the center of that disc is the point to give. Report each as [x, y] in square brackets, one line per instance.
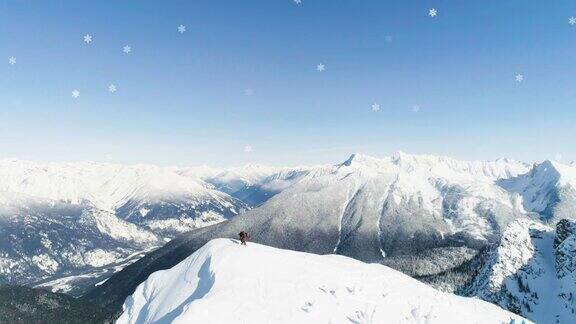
[532, 272]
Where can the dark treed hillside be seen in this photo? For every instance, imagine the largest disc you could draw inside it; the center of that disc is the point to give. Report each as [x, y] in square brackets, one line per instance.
[20, 304]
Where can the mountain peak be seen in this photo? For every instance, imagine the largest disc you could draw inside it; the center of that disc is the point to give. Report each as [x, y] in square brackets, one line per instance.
[352, 159]
[357, 159]
[554, 170]
[400, 155]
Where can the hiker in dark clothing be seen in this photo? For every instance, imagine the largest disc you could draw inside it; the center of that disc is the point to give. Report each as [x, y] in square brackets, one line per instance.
[243, 237]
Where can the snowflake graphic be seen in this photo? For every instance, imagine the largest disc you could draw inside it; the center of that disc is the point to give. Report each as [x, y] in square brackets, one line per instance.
[88, 39]
[181, 29]
[388, 38]
[415, 108]
[572, 20]
[298, 1]
[320, 67]
[127, 49]
[248, 92]
[432, 12]
[12, 60]
[375, 107]
[112, 88]
[75, 93]
[519, 77]
[247, 148]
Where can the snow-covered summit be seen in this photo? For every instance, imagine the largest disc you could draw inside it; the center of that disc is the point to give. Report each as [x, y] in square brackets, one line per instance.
[439, 166]
[225, 282]
[549, 189]
[358, 159]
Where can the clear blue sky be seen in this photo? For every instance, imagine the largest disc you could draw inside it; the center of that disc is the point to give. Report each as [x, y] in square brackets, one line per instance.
[181, 98]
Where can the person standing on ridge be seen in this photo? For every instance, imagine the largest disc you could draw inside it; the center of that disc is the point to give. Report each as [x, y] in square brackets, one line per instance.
[243, 237]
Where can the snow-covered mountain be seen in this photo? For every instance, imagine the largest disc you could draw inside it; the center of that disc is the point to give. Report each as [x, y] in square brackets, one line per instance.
[532, 272]
[62, 219]
[253, 183]
[154, 197]
[225, 282]
[423, 215]
[43, 239]
[430, 217]
[549, 189]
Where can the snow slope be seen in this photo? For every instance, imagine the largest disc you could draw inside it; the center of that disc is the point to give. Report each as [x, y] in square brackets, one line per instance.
[225, 282]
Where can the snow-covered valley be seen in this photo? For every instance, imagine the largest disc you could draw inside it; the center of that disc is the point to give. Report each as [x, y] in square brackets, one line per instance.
[67, 220]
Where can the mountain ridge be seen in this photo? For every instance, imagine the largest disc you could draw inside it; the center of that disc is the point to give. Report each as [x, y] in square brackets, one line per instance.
[428, 216]
[285, 286]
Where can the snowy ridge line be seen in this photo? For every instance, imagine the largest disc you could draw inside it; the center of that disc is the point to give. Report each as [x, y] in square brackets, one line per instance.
[284, 286]
[105, 186]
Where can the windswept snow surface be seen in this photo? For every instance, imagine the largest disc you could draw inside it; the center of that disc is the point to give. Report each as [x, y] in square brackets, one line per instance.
[225, 282]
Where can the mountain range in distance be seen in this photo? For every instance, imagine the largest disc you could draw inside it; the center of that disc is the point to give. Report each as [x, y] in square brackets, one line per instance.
[437, 219]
